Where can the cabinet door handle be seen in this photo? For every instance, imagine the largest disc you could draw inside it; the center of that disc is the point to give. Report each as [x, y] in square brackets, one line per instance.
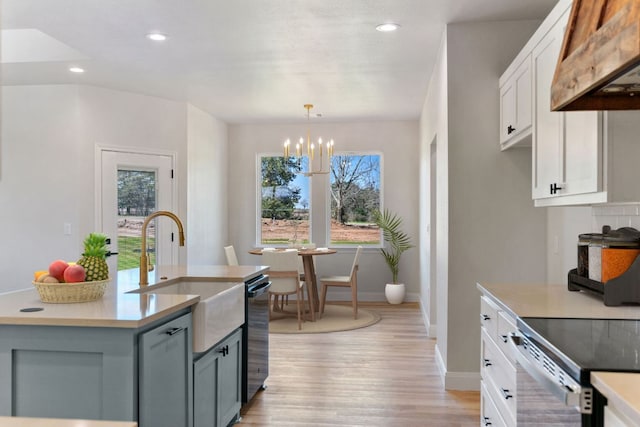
[504, 338]
[510, 130]
[487, 421]
[487, 362]
[173, 331]
[224, 350]
[485, 317]
[505, 393]
[553, 188]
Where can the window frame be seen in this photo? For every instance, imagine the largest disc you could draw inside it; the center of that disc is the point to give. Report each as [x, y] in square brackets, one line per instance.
[328, 200]
[258, 207]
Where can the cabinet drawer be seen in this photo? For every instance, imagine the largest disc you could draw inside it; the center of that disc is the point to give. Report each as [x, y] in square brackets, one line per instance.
[489, 414]
[489, 316]
[506, 325]
[500, 377]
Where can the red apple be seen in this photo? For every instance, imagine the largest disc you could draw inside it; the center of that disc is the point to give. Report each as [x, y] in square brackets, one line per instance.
[74, 273]
[57, 268]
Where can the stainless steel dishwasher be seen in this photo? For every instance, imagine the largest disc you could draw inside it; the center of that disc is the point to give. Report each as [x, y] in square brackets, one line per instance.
[255, 337]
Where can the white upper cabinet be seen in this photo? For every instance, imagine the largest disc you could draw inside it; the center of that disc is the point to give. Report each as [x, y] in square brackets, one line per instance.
[515, 105]
[578, 158]
[567, 147]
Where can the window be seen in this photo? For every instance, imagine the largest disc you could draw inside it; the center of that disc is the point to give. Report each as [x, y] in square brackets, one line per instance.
[284, 201]
[355, 195]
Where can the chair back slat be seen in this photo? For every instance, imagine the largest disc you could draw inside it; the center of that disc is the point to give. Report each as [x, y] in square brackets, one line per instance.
[354, 267]
[230, 253]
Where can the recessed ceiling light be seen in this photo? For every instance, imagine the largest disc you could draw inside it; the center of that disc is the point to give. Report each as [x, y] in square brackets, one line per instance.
[158, 37]
[387, 27]
[76, 69]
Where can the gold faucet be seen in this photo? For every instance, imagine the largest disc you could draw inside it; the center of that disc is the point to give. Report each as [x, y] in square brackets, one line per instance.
[144, 267]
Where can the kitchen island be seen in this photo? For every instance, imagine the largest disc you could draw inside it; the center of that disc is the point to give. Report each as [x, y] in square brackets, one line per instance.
[502, 305]
[125, 357]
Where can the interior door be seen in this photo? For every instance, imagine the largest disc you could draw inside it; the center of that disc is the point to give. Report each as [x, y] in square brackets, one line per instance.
[133, 185]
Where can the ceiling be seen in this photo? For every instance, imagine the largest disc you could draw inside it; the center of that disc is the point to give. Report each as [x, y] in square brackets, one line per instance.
[246, 60]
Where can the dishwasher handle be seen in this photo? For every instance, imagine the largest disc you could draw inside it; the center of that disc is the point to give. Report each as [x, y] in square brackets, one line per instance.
[580, 397]
[254, 291]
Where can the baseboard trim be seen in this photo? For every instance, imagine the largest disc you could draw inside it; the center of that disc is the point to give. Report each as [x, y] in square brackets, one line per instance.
[432, 330]
[462, 381]
[341, 295]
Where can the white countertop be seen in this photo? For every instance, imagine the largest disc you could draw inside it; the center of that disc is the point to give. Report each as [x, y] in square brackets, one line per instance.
[621, 391]
[59, 422]
[118, 308]
[540, 300]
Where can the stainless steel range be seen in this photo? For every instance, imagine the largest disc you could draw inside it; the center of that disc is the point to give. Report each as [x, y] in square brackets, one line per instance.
[555, 360]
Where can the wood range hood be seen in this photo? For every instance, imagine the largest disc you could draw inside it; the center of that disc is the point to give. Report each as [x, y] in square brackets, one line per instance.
[599, 63]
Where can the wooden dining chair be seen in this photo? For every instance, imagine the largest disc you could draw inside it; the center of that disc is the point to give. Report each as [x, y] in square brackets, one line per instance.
[350, 281]
[285, 280]
[230, 253]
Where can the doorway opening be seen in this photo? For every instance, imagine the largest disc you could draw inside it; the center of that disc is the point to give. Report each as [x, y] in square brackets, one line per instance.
[132, 186]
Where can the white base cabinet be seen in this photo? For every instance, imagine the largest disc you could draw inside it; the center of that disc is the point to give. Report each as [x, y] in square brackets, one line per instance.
[497, 368]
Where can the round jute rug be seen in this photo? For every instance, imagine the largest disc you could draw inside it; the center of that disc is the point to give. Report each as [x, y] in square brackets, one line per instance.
[335, 318]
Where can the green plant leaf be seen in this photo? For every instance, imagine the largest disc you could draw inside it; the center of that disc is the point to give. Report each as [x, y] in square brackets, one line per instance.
[398, 241]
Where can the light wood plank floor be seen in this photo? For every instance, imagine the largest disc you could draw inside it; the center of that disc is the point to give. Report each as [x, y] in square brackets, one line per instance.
[382, 375]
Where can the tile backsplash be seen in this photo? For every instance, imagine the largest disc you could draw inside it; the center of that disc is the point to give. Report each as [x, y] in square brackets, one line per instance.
[616, 216]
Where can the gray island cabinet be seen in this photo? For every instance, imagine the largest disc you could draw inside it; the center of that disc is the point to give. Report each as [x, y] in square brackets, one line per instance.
[120, 374]
[217, 386]
[128, 356]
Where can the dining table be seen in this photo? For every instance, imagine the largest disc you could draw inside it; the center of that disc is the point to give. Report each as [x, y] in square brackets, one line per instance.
[307, 255]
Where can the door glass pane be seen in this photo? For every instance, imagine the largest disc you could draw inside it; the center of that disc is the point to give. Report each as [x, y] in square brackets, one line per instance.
[136, 200]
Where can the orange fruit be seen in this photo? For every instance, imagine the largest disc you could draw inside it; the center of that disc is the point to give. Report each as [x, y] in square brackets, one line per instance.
[39, 273]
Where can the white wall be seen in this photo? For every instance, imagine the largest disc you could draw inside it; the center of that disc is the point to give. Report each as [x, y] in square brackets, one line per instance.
[564, 224]
[41, 185]
[398, 142]
[207, 212]
[484, 212]
[434, 130]
[49, 134]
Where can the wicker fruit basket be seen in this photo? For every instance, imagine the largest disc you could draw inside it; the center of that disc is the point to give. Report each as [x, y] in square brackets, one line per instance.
[64, 293]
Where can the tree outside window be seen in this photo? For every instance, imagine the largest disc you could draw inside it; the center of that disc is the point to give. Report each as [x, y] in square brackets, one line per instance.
[355, 195]
[284, 201]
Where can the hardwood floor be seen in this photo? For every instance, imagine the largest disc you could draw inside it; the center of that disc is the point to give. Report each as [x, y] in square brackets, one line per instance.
[382, 375]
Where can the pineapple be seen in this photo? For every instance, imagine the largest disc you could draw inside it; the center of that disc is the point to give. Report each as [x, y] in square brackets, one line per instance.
[93, 258]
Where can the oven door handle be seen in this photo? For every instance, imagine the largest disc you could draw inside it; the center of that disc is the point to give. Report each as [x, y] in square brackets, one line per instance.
[566, 395]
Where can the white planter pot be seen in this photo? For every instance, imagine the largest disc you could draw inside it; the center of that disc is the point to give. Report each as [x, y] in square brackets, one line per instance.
[395, 293]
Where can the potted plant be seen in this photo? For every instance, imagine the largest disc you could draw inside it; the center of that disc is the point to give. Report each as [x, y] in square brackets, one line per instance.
[398, 242]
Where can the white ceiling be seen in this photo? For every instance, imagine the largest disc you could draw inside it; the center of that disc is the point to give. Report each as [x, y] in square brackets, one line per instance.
[246, 60]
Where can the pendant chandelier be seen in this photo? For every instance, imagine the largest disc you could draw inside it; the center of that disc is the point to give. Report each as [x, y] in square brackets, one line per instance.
[310, 149]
